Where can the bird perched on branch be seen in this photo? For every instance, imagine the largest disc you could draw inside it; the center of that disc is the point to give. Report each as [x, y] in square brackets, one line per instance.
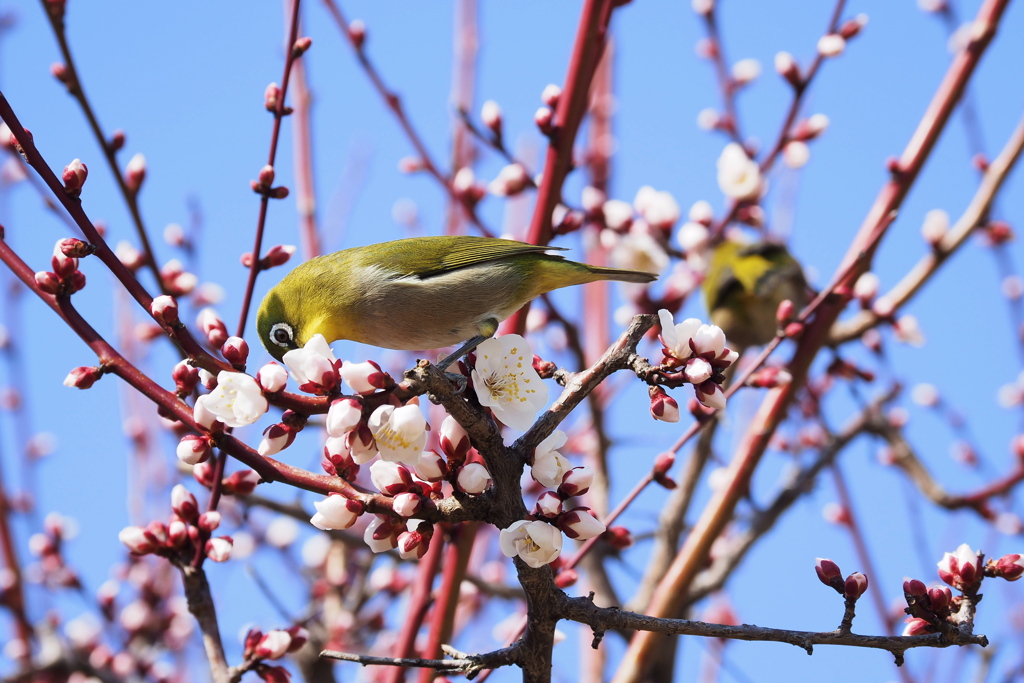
[744, 286]
[418, 293]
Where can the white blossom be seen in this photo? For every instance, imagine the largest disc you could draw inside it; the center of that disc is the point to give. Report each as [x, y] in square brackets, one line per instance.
[536, 543]
[549, 466]
[739, 176]
[335, 512]
[506, 382]
[400, 432]
[237, 400]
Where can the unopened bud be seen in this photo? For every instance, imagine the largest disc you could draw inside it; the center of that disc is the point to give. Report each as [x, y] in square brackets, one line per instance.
[855, 585]
[83, 377]
[235, 350]
[74, 176]
[270, 97]
[47, 281]
[164, 309]
[544, 120]
[551, 94]
[117, 139]
[135, 172]
[357, 33]
[301, 45]
[490, 114]
[277, 255]
[787, 67]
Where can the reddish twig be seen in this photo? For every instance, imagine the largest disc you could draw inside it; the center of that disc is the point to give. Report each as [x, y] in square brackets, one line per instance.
[74, 86]
[291, 54]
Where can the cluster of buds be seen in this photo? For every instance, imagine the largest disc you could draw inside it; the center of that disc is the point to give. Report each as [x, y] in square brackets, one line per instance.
[696, 353]
[314, 367]
[275, 644]
[928, 607]
[263, 186]
[410, 537]
[851, 588]
[65, 278]
[47, 545]
[511, 180]
[186, 529]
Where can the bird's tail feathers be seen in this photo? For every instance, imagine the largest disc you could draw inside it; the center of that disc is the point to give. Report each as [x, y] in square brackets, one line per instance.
[622, 275]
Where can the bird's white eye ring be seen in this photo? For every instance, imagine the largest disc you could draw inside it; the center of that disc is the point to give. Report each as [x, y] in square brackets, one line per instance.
[282, 335]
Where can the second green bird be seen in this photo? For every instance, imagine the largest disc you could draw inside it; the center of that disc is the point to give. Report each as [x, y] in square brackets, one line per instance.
[418, 293]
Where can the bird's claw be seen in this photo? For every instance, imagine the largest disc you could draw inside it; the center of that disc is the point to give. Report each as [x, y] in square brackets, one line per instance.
[460, 381]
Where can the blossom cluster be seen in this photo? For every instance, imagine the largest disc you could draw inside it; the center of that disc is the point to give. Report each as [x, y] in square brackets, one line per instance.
[697, 352]
[178, 538]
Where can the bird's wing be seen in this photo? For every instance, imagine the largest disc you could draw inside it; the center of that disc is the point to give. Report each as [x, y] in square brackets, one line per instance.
[438, 255]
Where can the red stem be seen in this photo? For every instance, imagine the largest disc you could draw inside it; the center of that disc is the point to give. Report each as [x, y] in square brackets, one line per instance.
[279, 114]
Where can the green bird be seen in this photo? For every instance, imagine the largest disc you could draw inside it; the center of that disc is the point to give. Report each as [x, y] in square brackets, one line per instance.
[418, 293]
[744, 286]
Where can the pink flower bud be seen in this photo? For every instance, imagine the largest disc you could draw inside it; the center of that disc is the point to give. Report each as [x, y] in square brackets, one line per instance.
[935, 226]
[301, 45]
[453, 439]
[544, 120]
[48, 282]
[209, 521]
[663, 406]
[852, 27]
[490, 114]
[431, 467]
[855, 585]
[343, 416]
[276, 438]
[390, 478]
[131, 257]
[63, 265]
[219, 549]
[177, 533]
[185, 377]
[266, 176]
[76, 282]
[273, 645]
[576, 482]
[697, 370]
[831, 45]
[212, 326]
[270, 97]
[280, 192]
[1009, 567]
[473, 479]
[357, 33]
[278, 255]
[83, 377]
[137, 540]
[914, 588]
[364, 378]
[272, 377]
[135, 172]
[828, 572]
[235, 350]
[193, 449]
[117, 139]
[164, 309]
[618, 537]
[203, 473]
[551, 94]
[184, 503]
[580, 524]
[548, 505]
[961, 569]
[241, 483]
[940, 598]
[407, 504]
[787, 67]
[917, 627]
[74, 176]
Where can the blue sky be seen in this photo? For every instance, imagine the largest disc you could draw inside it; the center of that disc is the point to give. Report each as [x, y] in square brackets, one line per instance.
[187, 84]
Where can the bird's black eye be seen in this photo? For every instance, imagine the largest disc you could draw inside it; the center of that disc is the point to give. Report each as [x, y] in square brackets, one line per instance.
[282, 335]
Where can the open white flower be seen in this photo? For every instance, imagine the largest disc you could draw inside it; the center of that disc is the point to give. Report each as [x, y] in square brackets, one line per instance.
[400, 432]
[505, 381]
[739, 176]
[237, 401]
[536, 543]
[549, 466]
